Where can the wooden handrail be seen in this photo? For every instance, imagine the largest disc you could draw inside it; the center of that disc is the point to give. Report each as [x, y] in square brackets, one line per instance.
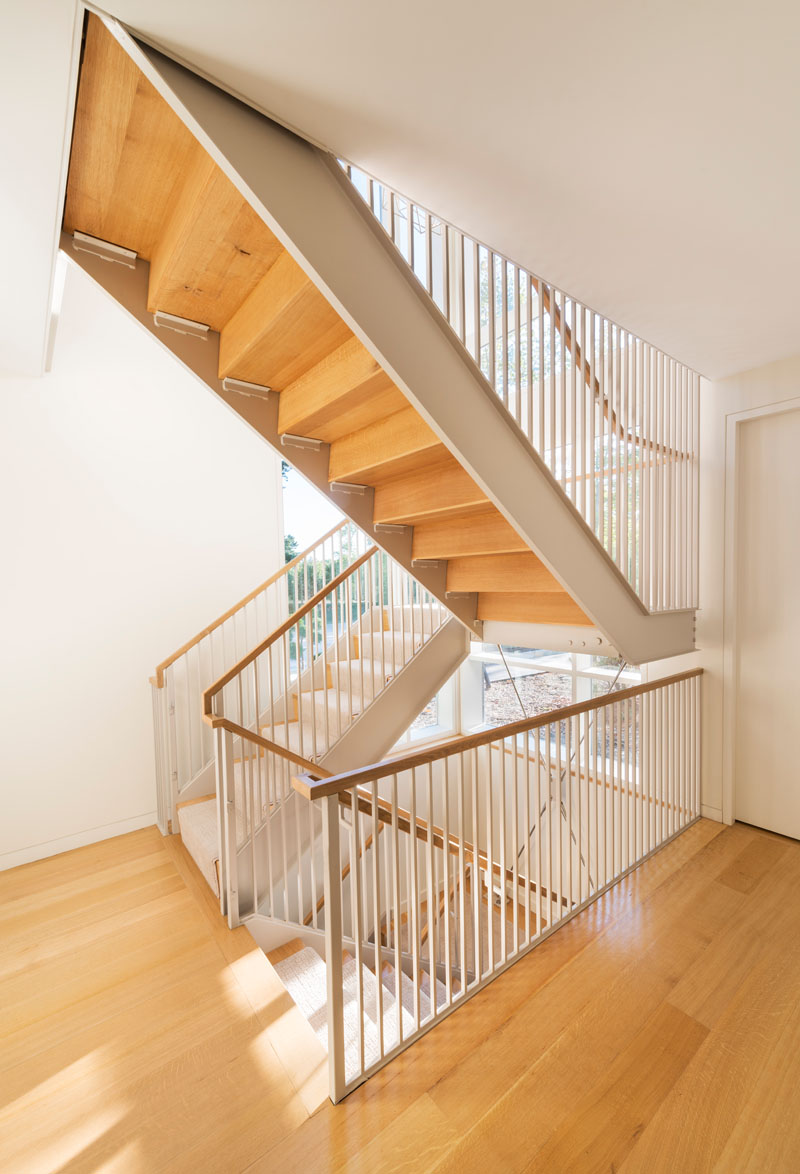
[217, 722]
[311, 787]
[421, 829]
[285, 627]
[564, 330]
[158, 680]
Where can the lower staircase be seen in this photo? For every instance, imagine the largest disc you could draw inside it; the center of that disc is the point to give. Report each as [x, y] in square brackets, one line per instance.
[387, 891]
[345, 674]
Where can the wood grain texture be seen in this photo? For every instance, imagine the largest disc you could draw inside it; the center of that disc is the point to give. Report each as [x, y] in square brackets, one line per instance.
[622, 1042]
[138, 178]
[482, 532]
[437, 490]
[345, 390]
[500, 572]
[212, 250]
[130, 152]
[283, 329]
[397, 444]
[540, 607]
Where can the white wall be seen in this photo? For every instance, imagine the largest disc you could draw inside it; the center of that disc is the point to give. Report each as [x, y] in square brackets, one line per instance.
[135, 508]
[720, 402]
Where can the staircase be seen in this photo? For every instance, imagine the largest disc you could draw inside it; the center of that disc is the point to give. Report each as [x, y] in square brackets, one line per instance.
[336, 683]
[535, 468]
[513, 467]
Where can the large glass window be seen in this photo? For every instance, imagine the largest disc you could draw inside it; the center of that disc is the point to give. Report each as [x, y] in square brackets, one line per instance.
[501, 686]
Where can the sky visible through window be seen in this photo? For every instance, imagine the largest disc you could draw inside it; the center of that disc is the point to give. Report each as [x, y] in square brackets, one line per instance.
[307, 515]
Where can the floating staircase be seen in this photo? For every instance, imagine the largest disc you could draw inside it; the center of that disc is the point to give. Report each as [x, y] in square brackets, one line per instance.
[253, 262]
[518, 468]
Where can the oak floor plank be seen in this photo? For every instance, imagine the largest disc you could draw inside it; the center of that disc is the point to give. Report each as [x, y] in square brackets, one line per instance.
[659, 1030]
[570, 1039]
[695, 1122]
[604, 1126]
[753, 863]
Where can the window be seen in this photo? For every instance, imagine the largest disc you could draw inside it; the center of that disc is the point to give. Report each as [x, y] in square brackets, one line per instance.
[438, 718]
[498, 688]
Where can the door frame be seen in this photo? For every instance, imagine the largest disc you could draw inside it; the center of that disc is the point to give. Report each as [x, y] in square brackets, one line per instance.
[730, 646]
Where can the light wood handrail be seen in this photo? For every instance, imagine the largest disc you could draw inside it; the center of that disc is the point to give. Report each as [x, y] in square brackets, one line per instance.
[285, 627]
[158, 680]
[421, 829]
[311, 787]
[594, 384]
[224, 723]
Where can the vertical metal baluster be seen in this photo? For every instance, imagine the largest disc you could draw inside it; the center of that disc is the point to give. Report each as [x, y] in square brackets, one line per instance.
[526, 817]
[514, 849]
[502, 823]
[362, 605]
[358, 926]
[492, 314]
[376, 917]
[595, 722]
[490, 850]
[462, 872]
[476, 294]
[539, 816]
[414, 911]
[333, 943]
[619, 768]
[395, 889]
[569, 804]
[541, 444]
[476, 869]
[446, 882]
[462, 289]
[580, 751]
[433, 941]
[529, 431]
[348, 628]
[574, 405]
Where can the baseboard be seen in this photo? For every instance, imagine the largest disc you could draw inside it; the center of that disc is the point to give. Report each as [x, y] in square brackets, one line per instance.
[714, 813]
[77, 840]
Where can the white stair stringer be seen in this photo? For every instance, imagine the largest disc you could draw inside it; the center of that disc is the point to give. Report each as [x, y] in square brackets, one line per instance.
[376, 730]
[368, 738]
[308, 203]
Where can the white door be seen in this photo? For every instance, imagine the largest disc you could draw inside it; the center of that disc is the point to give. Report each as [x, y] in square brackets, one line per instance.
[767, 737]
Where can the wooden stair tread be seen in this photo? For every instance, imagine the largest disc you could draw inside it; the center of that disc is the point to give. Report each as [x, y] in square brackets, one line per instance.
[542, 607]
[439, 489]
[281, 330]
[346, 389]
[130, 151]
[213, 249]
[500, 573]
[139, 179]
[484, 531]
[394, 445]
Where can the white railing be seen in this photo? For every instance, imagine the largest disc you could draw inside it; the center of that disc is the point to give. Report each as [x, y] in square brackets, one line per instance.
[460, 859]
[288, 702]
[614, 419]
[183, 742]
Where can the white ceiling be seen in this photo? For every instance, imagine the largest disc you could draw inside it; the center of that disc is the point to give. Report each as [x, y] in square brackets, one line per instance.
[644, 156]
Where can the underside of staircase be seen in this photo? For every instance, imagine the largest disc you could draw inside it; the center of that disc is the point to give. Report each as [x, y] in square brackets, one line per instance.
[438, 476]
[373, 691]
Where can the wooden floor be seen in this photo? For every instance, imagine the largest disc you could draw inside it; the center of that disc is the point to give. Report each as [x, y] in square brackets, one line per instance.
[659, 1031]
